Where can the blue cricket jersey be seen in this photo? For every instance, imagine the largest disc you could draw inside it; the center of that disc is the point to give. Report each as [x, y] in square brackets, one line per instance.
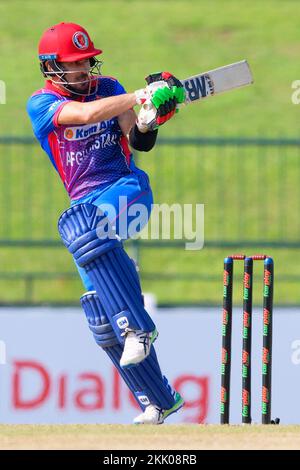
[85, 156]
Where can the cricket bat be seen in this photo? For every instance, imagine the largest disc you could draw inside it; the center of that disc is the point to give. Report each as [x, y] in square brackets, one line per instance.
[204, 85]
[217, 81]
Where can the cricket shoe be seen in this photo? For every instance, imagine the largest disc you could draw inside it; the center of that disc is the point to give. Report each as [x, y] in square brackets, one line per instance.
[155, 415]
[137, 346]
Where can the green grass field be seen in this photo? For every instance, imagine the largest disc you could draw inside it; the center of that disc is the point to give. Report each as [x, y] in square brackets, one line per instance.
[264, 205]
[184, 37]
[112, 437]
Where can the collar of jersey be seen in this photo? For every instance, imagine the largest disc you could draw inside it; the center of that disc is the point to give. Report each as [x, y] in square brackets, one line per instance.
[51, 86]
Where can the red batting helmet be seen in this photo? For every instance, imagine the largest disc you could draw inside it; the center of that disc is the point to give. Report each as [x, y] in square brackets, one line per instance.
[66, 42]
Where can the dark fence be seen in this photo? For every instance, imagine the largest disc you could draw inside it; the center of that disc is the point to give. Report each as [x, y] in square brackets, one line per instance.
[250, 189]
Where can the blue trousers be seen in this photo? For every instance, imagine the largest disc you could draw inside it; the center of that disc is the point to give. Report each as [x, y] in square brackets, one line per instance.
[116, 199]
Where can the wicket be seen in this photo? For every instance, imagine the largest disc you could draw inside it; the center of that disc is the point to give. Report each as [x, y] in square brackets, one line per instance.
[268, 284]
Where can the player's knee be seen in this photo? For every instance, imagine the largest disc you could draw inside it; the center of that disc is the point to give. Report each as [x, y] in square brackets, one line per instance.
[83, 234]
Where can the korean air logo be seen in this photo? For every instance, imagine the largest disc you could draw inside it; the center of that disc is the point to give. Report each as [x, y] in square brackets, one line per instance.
[69, 134]
[122, 323]
[83, 132]
[80, 40]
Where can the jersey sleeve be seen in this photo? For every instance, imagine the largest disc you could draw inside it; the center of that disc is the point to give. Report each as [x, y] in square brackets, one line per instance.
[109, 86]
[119, 90]
[43, 110]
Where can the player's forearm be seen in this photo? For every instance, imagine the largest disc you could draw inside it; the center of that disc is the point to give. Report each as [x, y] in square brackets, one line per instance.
[95, 111]
[107, 108]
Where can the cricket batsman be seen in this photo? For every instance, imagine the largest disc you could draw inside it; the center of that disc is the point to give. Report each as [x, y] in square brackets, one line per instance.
[86, 124]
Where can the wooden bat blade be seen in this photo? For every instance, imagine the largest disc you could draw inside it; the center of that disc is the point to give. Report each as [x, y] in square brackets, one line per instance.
[217, 81]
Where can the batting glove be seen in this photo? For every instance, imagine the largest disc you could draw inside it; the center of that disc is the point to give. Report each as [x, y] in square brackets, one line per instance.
[166, 100]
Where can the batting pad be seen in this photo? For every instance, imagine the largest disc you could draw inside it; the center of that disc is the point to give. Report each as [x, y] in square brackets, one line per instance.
[145, 380]
[108, 266]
